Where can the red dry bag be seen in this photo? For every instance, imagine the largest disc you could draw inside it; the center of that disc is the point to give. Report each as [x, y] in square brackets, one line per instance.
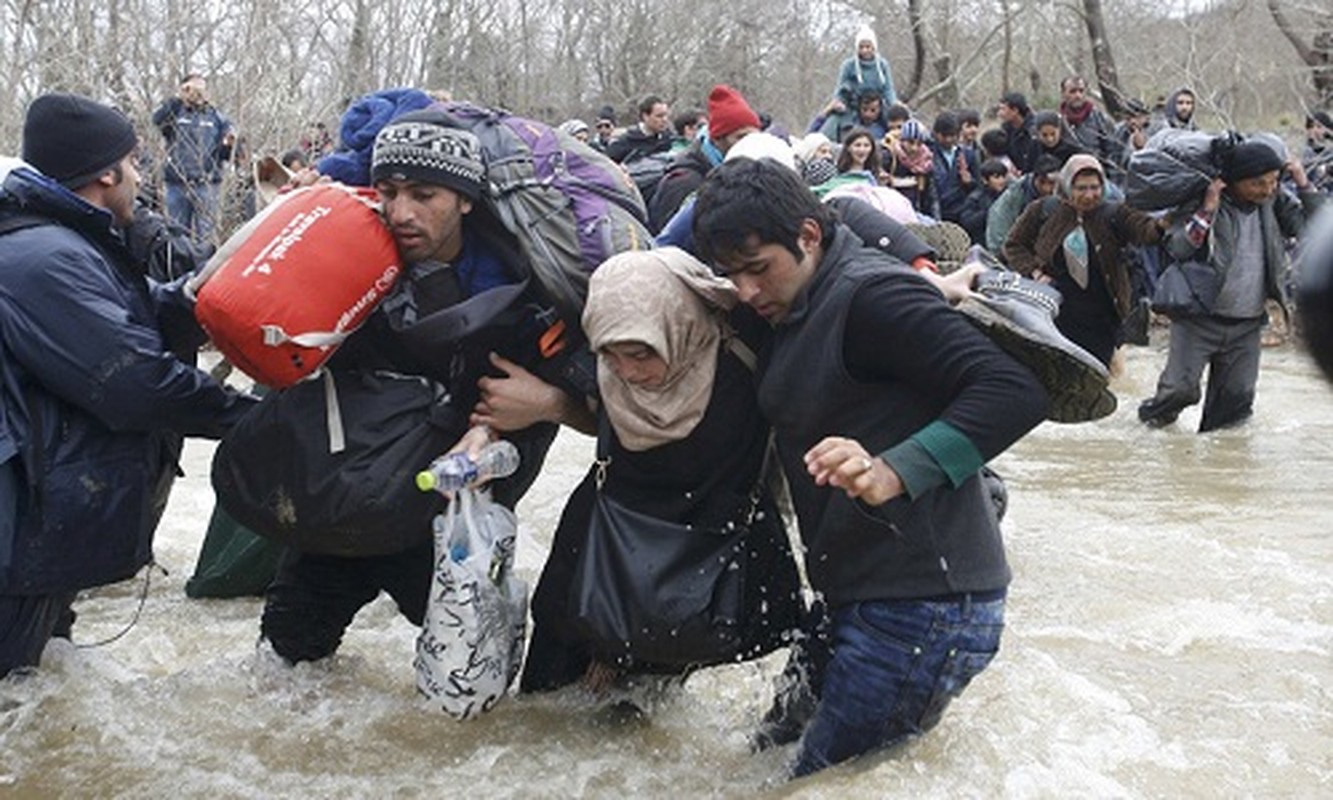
[294, 282]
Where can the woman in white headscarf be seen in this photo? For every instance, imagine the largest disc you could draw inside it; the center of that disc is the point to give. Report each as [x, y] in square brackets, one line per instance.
[865, 72]
[686, 444]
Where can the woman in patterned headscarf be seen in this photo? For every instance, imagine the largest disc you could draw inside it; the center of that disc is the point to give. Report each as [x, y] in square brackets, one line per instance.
[685, 442]
[1074, 242]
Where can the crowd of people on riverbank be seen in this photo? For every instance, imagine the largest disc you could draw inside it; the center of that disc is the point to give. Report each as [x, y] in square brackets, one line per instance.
[785, 355]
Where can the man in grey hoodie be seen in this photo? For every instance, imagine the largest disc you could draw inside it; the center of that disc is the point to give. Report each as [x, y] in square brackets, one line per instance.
[1177, 113]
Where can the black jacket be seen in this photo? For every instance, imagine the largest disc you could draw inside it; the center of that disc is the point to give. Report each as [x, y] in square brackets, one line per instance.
[682, 179]
[917, 385]
[636, 143]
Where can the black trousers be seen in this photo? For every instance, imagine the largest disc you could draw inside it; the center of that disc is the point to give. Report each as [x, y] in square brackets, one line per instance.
[27, 623]
[313, 598]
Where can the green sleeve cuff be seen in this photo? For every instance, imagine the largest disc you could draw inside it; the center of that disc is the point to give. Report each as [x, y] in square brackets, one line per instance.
[933, 456]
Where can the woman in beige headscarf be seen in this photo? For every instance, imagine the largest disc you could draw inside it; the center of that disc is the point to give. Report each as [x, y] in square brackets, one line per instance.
[685, 442]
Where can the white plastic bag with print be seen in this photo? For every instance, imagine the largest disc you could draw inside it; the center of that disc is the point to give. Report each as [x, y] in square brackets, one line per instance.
[471, 643]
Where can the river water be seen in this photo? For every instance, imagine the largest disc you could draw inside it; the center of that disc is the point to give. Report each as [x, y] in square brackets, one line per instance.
[1170, 635]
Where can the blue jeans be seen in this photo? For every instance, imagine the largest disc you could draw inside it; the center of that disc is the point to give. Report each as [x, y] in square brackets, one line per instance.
[194, 207]
[896, 665]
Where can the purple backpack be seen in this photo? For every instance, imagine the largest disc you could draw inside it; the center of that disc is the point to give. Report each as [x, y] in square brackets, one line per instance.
[569, 206]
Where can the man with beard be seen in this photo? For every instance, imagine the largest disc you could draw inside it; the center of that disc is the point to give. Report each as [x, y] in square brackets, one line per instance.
[93, 400]
[430, 178]
[1094, 130]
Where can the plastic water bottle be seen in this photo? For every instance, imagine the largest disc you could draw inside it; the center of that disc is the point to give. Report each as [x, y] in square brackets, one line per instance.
[454, 471]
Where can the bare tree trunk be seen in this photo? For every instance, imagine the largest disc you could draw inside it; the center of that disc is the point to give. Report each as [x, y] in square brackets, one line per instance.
[357, 52]
[1005, 80]
[1102, 59]
[1318, 55]
[948, 95]
[919, 51]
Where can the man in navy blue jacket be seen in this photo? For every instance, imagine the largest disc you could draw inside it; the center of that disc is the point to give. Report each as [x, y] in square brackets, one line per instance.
[92, 399]
[199, 141]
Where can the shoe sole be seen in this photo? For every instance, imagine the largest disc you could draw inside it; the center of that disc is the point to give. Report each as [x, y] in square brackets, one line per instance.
[949, 241]
[1078, 393]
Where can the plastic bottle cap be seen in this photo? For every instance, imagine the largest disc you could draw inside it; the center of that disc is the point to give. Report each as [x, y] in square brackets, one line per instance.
[426, 481]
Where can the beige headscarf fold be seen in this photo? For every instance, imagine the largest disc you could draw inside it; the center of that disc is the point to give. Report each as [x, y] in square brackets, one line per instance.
[669, 301]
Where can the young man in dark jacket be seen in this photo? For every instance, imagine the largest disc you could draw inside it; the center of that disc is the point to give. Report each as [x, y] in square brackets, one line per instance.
[954, 168]
[652, 134]
[994, 178]
[460, 269]
[199, 141]
[901, 539]
[92, 400]
[1015, 117]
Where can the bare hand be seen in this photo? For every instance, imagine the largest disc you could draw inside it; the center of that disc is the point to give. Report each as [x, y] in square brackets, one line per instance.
[308, 176]
[1297, 171]
[1212, 197]
[835, 106]
[957, 285]
[845, 464]
[1040, 277]
[517, 400]
[474, 441]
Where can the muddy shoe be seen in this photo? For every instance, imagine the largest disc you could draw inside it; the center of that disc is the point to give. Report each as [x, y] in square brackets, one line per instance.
[949, 241]
[1019, 315]
[1158, 413]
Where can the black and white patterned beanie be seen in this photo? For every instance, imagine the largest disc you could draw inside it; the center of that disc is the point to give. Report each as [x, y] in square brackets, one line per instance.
[422, 146]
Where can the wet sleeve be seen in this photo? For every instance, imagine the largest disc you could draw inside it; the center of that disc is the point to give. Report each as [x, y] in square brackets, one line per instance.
[76, 333]
[1000, 218]
[899, 329]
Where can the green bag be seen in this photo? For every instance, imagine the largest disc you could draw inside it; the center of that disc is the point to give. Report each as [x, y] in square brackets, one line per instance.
[234, 561]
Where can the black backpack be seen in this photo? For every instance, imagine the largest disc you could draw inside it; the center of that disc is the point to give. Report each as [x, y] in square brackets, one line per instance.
[647, 172]
[329, 466]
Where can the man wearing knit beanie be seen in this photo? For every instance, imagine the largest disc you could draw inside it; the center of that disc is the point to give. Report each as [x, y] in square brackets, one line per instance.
[73, 140]
[422, 149]
[459, 317]
[1240, 232]
[86, 354]
[730, 118]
